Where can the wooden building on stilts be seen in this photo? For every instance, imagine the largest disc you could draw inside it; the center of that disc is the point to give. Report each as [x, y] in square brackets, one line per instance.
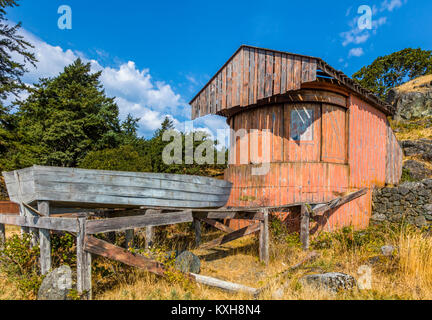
[327, 135]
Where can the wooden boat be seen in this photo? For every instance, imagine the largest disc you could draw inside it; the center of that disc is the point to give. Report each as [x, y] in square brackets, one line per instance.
[83, 188]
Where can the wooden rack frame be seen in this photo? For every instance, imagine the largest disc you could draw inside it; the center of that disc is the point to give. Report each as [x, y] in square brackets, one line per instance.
[39, 223]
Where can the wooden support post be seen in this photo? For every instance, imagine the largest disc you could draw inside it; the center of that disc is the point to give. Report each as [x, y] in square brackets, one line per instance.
[24, 230]
[304, 227]
[45, 240]
[197, 227]
[2, 235]
[264, 238]
[34, 232]
[149, 235]
[149, 230]
[129, 238]
[83, 261]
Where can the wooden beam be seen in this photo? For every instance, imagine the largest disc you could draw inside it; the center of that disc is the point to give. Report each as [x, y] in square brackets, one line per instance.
[32, 209]
[229, 215]
[45, 240]
[2, 235]
[110, 251]
[113, 252]
[34, 232]
[323, 208]
[197, 227]
[150, 230]
[59, 224]
[83, 261]
[304, 227]
[224, 285]
[125, 223]
[217, 225]
[232, 236]
[264, 238]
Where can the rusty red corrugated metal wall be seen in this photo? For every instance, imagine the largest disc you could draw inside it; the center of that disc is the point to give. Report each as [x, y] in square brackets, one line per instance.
[347, 149]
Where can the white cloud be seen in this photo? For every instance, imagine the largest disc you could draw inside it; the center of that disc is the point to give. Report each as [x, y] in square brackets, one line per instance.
[356, 52]
[391, 5]
[135, 90]
[357, 36]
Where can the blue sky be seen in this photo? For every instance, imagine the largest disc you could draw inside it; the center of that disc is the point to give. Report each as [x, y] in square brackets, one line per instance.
[156, 55]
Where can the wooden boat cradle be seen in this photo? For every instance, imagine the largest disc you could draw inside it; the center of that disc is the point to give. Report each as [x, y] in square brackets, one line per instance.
[39, 223]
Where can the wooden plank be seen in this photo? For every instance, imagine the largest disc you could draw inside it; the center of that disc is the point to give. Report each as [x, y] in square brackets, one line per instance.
[283, 74]
[264, 238]
[229, 85]
[2, 235]
[45, 240]
[261, 74]
[224, 89]
[277, 73]
[197, 228]
[229, 215]
[323, 208]
[252, 86]
[83, 261]
[232, 236]
[224, 285]
[245, 87]
[59, 224]
[217, 225]
[268, 91]
[304, 227]
[110, 251]
[125, 223]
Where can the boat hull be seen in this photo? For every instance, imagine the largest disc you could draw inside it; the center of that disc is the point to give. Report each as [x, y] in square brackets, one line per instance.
[72, 187]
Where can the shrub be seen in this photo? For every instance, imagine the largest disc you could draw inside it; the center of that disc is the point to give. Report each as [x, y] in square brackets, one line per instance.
[20, 263]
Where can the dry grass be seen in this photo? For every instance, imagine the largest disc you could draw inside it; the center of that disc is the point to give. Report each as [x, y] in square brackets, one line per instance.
[416, 84]
[408, 275]
[413, 129]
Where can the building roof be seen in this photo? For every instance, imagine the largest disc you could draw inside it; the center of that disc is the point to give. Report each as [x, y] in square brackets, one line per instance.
[253, 74]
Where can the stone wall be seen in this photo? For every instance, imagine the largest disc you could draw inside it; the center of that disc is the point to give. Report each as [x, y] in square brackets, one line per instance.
[410, 202]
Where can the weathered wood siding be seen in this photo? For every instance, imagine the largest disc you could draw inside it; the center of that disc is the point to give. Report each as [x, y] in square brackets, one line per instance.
[253, 74]
[367, 145]
[352, 147]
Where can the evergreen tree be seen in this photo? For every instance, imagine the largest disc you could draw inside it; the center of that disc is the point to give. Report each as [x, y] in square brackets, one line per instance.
[393, 70]
[69, 115]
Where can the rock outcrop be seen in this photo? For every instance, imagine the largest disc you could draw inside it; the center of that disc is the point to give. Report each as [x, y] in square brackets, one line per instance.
[413, 99]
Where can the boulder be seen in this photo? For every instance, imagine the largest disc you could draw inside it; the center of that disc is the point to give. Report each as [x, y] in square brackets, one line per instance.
[56, 285]
[387, 251]
[333, 281]
[187, 262]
